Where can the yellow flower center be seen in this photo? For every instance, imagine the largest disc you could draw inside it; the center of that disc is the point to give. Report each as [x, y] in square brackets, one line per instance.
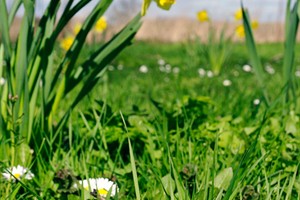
[17, 175]
[102, 192]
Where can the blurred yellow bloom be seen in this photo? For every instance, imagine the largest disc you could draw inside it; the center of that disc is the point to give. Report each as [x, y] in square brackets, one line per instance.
[238, 15]
[202, 16]
[101, 25]
[77, 28]
[254, 24]
[240, 31]
[164, 4]
[67, 42]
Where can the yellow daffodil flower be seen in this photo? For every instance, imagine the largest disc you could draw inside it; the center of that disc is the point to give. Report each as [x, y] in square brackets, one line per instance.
[254, 24]
[240, 31]
[101, 25]
[67, 42]
[77, 28]
[202, 16]
[238, 15]
[164, 4]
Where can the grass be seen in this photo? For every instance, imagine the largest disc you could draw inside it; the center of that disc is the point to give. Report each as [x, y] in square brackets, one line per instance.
[180, 135]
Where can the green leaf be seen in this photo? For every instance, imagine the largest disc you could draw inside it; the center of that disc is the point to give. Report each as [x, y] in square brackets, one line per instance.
[254, 58]
[168, 184]
[222, 180]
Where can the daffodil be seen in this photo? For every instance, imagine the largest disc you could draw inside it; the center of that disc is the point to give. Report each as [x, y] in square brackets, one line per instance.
[240, 31]
[238, 15]
[202, 16]
[101, 185]
[164, 4]
[254, 24]
[67, 42]
[18, 173]
[101, 25]
[77, 28]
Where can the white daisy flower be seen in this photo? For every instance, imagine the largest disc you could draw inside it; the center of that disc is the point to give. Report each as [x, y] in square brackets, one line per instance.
[209, 74]
[18, 172]
[143, 69]
[176, 70]
[101, 185]
[270, 69]
[247, 68]
[256, 102]
[201, 72]
[168, 68]
[227, 83]
[120, 67]
[297, 73]
[161, 62]
[2, 81]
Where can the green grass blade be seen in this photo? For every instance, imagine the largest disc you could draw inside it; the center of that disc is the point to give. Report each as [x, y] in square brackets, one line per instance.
[73, 53]
[134, 172]
[12, 13]
[291, 30]
[254, 58]
[4, 28]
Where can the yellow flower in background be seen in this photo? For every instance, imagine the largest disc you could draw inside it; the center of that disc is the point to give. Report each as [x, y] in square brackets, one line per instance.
[67, 42]
[77, 28]
[101, 25]
[164, 4]
[238, 15]
[202, 16]
[254, 24]
[240, 31]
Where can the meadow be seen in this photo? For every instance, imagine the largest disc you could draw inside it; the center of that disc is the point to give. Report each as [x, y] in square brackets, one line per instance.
[127, 119]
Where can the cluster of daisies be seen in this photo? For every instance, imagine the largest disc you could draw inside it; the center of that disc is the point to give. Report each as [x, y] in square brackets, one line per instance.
[96, 186]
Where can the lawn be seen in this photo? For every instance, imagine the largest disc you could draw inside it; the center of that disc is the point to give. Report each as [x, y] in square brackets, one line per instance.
[133, 119]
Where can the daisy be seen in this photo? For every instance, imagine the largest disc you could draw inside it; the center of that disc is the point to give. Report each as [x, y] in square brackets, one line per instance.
[226, 83]
[143, 69]
[18, 172]
[101, 185]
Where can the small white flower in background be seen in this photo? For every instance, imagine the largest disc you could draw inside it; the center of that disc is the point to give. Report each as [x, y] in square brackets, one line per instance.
[2, 81]
[120, 67]
[256, 102]
[227, 83]
[101, 185]
[297, 73]
[161, 62]
[201, 72]
[111, 68]
[176, 70]
[209, 74]
[270, 69]
[143, 69]
[168, 68]
[247, 68]
[162, 68]
[18, 172]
